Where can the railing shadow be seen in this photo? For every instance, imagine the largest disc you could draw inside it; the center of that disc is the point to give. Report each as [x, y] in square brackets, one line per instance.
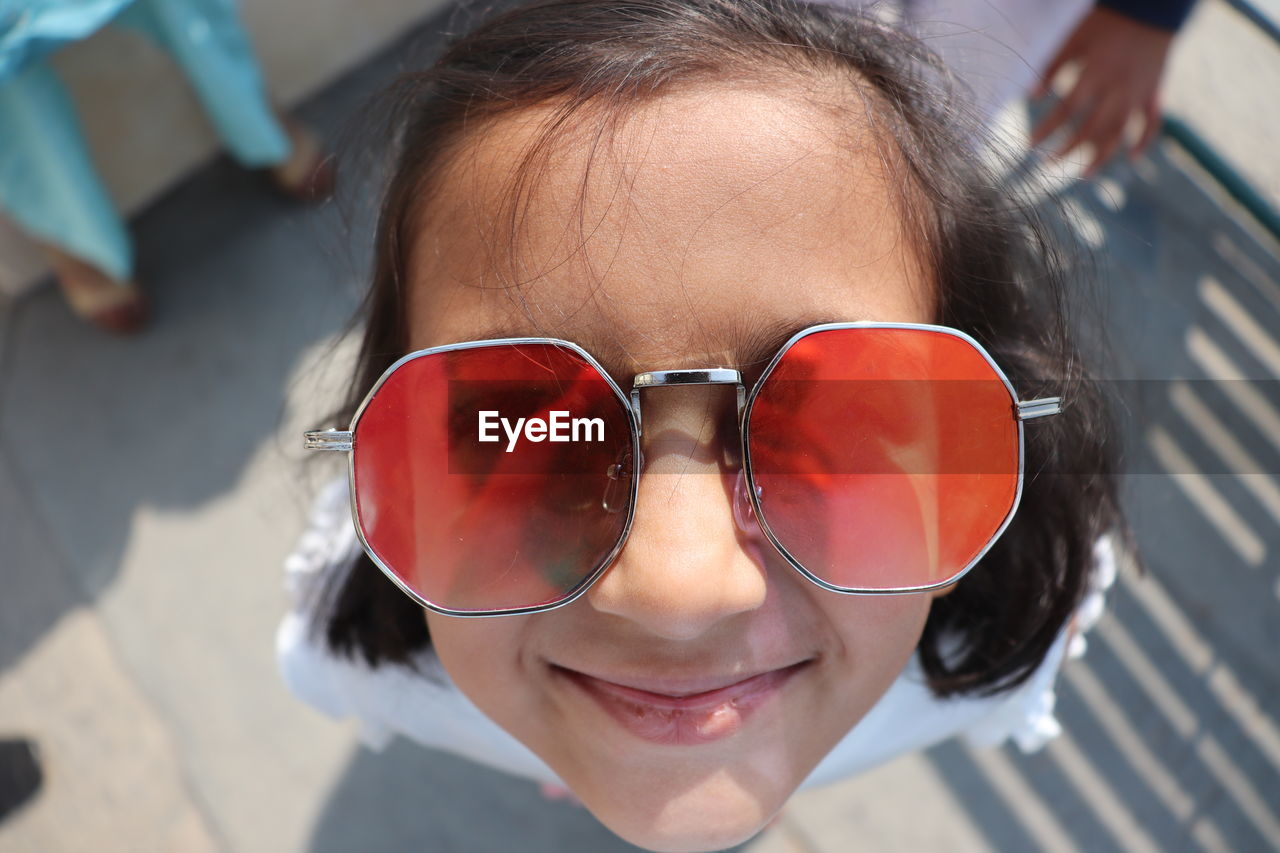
[1172, 731]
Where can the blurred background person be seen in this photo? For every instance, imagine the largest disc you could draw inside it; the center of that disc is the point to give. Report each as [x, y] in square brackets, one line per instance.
[48, 184]
[1110, 55]
[1118, 51]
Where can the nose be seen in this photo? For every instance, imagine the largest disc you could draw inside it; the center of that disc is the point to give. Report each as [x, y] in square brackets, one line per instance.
[685, 567]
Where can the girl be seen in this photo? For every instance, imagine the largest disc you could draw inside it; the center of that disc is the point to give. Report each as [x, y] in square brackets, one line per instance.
[696, 449]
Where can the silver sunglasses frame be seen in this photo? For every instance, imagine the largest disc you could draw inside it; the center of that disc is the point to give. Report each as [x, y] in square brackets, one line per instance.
[342, 441]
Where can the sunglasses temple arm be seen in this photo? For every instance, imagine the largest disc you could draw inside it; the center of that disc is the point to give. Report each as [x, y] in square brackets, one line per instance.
[1043, 407]
[327, 439]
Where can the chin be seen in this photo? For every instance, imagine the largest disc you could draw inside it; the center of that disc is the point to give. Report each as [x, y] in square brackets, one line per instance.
[695, 838]
[710, 817]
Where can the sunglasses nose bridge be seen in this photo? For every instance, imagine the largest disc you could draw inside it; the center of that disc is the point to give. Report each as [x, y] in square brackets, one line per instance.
[701, 376]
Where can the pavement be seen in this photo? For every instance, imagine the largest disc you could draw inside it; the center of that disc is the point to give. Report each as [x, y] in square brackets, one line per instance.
[150, 488]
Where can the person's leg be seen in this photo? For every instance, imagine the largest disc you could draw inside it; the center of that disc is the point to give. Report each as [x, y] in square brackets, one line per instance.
[47, 182]
[48, 186]
[207, 41]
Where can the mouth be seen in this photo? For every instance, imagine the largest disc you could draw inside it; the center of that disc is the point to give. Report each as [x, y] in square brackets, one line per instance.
[682, 712]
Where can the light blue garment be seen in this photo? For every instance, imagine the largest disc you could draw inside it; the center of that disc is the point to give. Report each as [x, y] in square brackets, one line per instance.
[206, 39]
[32, 29]
[47, 181]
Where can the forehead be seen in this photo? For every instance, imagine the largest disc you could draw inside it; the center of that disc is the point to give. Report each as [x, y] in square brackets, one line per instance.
[705, 219]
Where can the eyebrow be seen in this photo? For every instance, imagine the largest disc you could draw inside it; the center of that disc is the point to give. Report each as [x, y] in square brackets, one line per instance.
[752, 343]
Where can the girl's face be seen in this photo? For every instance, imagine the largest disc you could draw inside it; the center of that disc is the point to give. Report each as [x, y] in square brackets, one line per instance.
[710, 215]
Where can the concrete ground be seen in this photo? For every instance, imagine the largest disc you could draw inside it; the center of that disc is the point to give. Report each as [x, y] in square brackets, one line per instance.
[149, 489]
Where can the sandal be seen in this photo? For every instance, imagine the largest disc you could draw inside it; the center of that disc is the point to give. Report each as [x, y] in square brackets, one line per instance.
[308, 175]
[118, 307]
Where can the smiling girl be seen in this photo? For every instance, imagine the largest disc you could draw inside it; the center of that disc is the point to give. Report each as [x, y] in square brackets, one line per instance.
[825, 523]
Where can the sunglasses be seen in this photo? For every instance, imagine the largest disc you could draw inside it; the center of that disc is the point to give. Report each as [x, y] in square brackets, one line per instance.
[500, 476]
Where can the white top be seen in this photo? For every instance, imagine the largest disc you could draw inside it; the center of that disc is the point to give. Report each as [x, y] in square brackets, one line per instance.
[426, 707]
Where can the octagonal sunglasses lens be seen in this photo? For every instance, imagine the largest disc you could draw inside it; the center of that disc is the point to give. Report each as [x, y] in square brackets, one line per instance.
[884, 458]
[493, 478]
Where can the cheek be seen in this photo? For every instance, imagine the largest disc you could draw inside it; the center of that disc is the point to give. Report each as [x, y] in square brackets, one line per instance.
[877, 633]
[482, 657]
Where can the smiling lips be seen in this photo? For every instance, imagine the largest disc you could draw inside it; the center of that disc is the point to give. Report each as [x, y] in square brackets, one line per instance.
[683, 718]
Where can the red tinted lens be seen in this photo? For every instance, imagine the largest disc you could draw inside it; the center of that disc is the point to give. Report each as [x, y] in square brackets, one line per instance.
[884, 458]
[494, 477]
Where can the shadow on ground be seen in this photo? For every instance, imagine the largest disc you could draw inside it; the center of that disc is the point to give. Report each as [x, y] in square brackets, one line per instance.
[243, 283]
[1172, 739]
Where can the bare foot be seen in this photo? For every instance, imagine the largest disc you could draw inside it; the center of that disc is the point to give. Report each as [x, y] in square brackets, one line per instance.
[308, 175]
[119, 307]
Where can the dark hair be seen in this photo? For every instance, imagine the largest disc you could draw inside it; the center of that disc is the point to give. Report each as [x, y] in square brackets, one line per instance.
[998, 275]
